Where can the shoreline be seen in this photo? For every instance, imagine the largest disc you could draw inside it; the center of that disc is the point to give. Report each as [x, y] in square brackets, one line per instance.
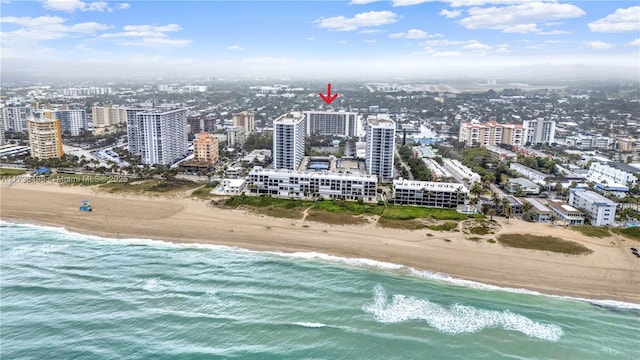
[610, 273]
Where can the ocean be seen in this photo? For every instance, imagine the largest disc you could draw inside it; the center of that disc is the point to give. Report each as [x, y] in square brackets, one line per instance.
[70, 296]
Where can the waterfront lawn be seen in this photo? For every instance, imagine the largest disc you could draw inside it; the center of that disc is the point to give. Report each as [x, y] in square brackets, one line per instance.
[396, 212]
[592, 231]
[11, 172]
[334, 218]
[348, 207]
[630, 232]
[545, 243]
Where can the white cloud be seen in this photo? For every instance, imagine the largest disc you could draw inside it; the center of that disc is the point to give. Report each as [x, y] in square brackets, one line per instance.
[372, 42]
[32, 22]
[154, 28]
[635, 42]
[156, 42]
[447, 53]
[370, 31]
[522, 18]
[371, 18]
[476, 45]
[554, 32]
[622, 20]
[73, 5]
[235, 48]
[311, 38]
[413, 34]
[124, 6]
[459, 3]
[450, 14]
[443, 42]
[409, 2]
[43, 28]
[597, 45]
[362, 2]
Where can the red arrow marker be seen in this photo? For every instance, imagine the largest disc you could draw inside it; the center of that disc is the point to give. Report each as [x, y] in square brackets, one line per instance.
[328, 98]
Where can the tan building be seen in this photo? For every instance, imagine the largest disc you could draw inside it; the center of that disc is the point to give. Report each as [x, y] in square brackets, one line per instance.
[491, 134]
[627, 145]
[45, 137]
[205, 148]
[107, 116]
[246, 119]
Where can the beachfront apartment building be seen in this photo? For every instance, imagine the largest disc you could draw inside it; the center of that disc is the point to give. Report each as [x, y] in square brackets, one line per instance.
[566, 213]
[45, 137]
[14, 117]
[531, 174]
[380, 145]
[312, 184]
[246, 120]
[338, 123]
[491, 133]
[601, 210]
[607, 174]
[205, 148]
[461, 173]
[159, 136]
[428, 193]
[539, 131]
[288, 141]
[522, 185]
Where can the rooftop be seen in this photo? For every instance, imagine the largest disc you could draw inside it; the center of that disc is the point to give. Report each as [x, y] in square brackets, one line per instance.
[537, 205]
[289, 118]
[594, 197]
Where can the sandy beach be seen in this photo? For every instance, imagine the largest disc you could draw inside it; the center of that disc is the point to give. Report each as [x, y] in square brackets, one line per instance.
[610, 272]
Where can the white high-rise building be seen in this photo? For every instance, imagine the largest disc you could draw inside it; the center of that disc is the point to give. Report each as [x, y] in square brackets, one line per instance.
[288, 141]
[15, 117]
[332, 123]
[72, 121]
[159, 136]
[380, 140]
[539, 131]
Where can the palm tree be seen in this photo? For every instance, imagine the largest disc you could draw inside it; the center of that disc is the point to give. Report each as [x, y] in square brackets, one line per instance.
[553, 219]
[506, 208]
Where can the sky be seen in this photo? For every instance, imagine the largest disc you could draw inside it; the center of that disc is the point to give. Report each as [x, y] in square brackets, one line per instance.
[321, 39]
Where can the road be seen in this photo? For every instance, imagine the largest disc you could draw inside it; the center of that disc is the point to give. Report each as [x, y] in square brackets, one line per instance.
[404, 165]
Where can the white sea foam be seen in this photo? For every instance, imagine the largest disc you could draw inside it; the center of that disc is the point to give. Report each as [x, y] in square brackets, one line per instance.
[457, 319]
[357, 262]
[310, 324]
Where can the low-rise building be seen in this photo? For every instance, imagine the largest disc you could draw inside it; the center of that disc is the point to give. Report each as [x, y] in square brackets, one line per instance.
[523, 185]
[566, 213]
[428, 193]
[542, 213]
[313, 184]
[531, 174]
[461, 173]
[601, 210]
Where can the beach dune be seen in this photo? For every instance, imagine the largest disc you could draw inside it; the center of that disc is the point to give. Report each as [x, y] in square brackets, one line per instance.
[610, 272]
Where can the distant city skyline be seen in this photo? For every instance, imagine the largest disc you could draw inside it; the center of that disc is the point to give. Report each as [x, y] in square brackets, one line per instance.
[314, 39]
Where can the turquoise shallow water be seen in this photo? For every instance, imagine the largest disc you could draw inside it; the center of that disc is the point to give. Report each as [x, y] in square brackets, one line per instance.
[70, 296]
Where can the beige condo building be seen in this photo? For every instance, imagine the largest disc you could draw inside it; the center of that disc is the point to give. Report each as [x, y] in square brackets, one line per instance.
[491, 134]
[45, 138]
[245, 119]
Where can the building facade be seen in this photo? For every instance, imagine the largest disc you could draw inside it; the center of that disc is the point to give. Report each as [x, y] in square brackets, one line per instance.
[601, 210]
[605, 174]
[108, 115]
[158, 136]
[380, 145]
[539, 131]
[205, 148]
[313, 184]
[531, 174]
[73, 121]
[236, 136]
[332, 123]
[491, 133]
[566, 213]
[288, 141]
[245, 119]
[14, 118]
[429, 194]
[45, 137]
[460, 172]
